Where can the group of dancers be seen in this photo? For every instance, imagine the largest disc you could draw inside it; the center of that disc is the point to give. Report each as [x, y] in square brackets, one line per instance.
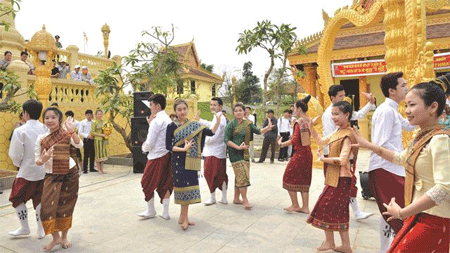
[415, 205]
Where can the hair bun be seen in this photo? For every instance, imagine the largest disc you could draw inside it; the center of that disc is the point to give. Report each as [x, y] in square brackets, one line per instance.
[306, 99]
[444, 82]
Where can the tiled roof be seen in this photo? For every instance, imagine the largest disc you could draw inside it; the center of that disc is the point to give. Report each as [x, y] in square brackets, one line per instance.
[203, 74]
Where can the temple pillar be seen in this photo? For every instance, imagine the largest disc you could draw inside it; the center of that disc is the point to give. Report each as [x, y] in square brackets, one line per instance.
[73, 57]
[362, 88]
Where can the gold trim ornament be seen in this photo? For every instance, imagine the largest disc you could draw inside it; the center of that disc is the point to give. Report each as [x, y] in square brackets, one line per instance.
[107, 129]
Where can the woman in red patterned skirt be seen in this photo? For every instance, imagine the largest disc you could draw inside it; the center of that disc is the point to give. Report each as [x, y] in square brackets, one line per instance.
[331, 212]
[297, 176]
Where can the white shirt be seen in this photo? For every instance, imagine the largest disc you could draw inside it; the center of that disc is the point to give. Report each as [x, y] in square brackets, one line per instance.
[155, 144]
[21, 150]
[328, 123]
[284, 125]
[251, 117]
[85, 128]
[215, 145]
[387, 125]
[75, 76]
[49, 163]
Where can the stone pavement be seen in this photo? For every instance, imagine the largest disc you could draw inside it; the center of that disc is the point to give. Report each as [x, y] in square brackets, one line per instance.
[105, 218]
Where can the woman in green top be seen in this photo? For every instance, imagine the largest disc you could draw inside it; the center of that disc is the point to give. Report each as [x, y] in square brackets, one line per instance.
[237, 137]
[100, 142]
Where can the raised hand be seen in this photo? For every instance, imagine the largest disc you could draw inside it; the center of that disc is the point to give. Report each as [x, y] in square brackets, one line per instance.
[369, 97]
[197, 116]
[218, 116]
[188, 144]
[362, 143]
[313, 122]
[70, 126]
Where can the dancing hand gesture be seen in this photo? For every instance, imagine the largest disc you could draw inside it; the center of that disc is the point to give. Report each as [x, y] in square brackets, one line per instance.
[393, 209]
[243, 146]
[369, 97]
[188, 144]
[70, 126]
[47, 154]
[362, 143]
[197, 116]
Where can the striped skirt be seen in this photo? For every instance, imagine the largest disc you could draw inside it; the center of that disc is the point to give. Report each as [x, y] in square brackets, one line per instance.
[101, 153]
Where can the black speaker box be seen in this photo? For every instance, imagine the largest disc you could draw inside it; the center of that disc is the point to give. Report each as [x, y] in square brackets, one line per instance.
[139, 130]
[364, 180]
[140, 109]
[139, 160]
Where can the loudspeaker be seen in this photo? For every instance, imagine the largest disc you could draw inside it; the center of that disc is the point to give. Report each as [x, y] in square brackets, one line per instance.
[139, 130]
[139, 160]
[364, 180]
[140, 109]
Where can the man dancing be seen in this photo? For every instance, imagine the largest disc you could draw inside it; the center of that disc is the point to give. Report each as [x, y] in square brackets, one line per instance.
[337, 93]
[387, 180]
[215, 155]
[29, 181]
[157, 176]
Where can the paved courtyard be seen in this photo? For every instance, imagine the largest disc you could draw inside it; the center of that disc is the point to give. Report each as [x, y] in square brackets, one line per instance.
[105, 218]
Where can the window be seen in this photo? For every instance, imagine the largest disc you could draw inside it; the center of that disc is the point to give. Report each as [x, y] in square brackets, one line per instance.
[213, 90]
[193, 86]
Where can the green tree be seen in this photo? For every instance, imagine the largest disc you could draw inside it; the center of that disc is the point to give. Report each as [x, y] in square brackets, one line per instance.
[266, 37]
[207, 67]
[154, 65]
[150, 66]
[248, 89]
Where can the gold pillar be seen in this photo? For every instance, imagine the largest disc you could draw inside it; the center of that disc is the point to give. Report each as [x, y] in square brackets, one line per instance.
[105, 32]
[362, 88]
[42, 45]
[306, 81]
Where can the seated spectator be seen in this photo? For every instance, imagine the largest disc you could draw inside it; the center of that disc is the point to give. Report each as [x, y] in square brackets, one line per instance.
[55, 70]
[76, 74]
[64, 69]
[23, 57]
[6, 61]
[86, 76]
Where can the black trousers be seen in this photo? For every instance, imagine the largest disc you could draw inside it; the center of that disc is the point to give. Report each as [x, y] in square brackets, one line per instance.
[284, 151]
[265, 147]
[89, 154]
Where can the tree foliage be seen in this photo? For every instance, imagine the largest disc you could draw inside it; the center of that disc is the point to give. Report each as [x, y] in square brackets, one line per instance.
[10, 86]
[207, 67]
[248, 89]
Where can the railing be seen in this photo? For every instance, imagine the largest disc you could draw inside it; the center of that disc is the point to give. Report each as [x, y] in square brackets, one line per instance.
[66, 91]
[94, 63]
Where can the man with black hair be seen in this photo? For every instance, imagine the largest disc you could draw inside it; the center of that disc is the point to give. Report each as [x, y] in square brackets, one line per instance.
[337, 94]
[157, 175]
[270, 138]
[386, 180]
[4, 63]
[29, 181]
[215, 154]
[88, 142]
[23, 57]
[284, 132]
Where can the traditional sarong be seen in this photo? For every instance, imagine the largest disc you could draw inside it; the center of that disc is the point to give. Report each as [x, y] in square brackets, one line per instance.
[101, 154]
[353, 188]
[215, 172]
[422, 233]
[241, 173]
[298, 173]
[331, 211]
[384, 185]
[60, 142]
[59, 197]
[157, 176]
[23, 190]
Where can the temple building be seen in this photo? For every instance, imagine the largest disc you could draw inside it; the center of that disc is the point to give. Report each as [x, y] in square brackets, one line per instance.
[358, 56]
[196, 80]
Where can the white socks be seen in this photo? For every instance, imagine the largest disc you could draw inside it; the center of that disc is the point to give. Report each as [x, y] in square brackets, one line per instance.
[165, 214]
[22, 213]
[150, 212]
[358, 214]
[211, 200]
[224, 194]
[40, 229]
[386, 235]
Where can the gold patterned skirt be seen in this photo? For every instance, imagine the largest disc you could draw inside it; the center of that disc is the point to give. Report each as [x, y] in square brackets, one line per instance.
[101, 153]
[241, 173]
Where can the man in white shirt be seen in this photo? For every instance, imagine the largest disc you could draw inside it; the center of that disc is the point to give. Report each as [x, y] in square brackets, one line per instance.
[88, 142]
[337, 93]
[386, 180]
[86, 76]
[76, 74]
[157, 175]
[252, 118]
[215, 154]
[29, 181]
[284, 131]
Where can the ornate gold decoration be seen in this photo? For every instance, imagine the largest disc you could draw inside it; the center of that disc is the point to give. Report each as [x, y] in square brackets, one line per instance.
[107, 129]
[105, 32]
[42, 41]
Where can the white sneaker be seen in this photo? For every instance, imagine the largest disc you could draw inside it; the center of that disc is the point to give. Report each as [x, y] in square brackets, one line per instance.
[165, 216]
[362, 216]
[210, 202]
[147, 214]
[223, 201]
[20, 231]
